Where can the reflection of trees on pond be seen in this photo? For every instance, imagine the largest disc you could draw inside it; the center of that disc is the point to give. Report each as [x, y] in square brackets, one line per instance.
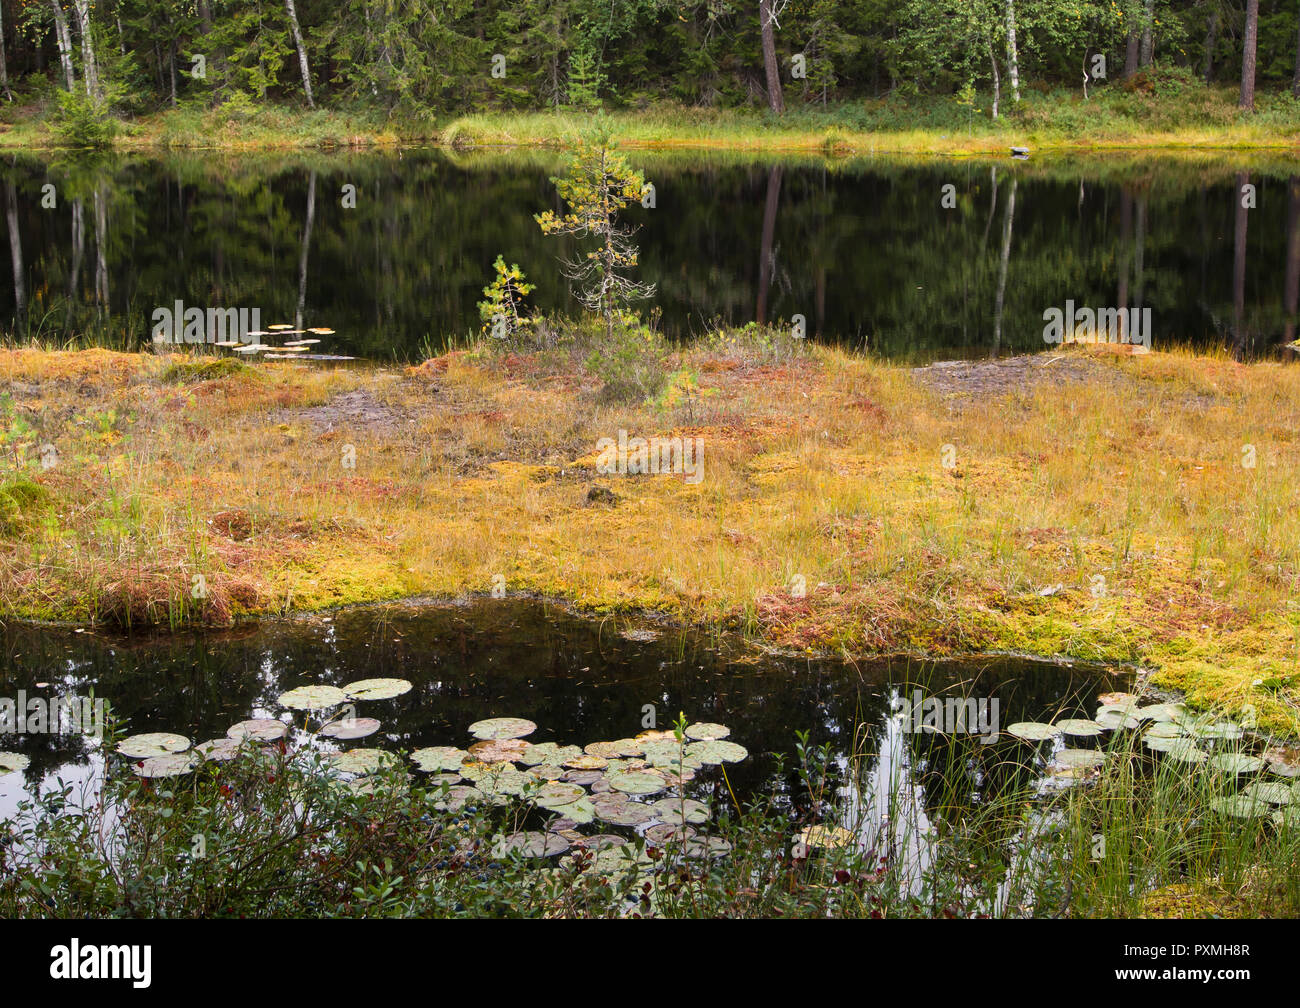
[864, 250]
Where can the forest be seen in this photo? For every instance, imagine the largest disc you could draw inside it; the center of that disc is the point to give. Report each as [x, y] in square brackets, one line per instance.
[451, 56]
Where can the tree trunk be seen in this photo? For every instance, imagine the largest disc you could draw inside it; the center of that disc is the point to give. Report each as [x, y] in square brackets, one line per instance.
[1248, 49]
[1211, 37]
[63, 39]
[1013, 55]
[302, 51]
[1131, 55]
[775, 99]
[997, 80]
[89, 68]
[1295, 78]
[101, 247]
[1147, 45]
[4, 67]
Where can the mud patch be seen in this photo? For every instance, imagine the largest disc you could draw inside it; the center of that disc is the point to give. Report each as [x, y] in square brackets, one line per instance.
[354, 410]
[986, 379]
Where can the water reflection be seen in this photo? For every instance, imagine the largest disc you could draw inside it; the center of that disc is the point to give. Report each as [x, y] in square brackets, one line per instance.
[871, 252]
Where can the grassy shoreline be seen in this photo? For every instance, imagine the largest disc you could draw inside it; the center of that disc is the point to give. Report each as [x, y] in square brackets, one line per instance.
[1097, 508]
[1116, 120]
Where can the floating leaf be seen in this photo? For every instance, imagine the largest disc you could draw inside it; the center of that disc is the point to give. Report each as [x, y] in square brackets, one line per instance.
[1079, 727]
[530, 844]
[12, 762]
[171, 765]
[636, 782]
[614, 750]
[152, 744]
[350, 728]
[313, 698]
[220, 750]
[706, 731]
[1240, 806]
[665, 833]
[718, 751]
[699, 847]
[1236, 763]
[457, 798]
[505, 750]
[580, 812]
[549, 752]
[436, 758]
[557, 793]
[1032, 731]
[1161, 712]
[1113, 718]
[1079, 758]
[678, 810]
[1271, 792]
[624, 813]
[586, 762]
[377, 689]
[261, 729]
[1165, 729]
[502, 728]
[363, 761]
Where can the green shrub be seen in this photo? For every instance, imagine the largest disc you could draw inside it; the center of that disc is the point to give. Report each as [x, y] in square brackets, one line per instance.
[82, 122]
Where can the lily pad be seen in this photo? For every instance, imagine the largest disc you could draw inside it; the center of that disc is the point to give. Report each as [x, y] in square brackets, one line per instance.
[1079, 758]
[457, 797]
[1165, 729]
[376, 689]
[505, 750]
[555, 794]
[1240, 806]
[313, 698]
[152, 744]
[1161, 712]
[707, 731]
[700, 847]
[350, 728]
[587, 762]
[624, 813]
[1079, 727]
[718, 751]
[1236, 763]
[636, 782]
[261, 729]
[578, 813]
[1271, 792]
[1113, 718]
[549, 752]
[1289, 816]
[363, 761]
[220, 750]
[614, 750]
[12, 762]
[1032, 731]
[678, 810]
[530, 844]
[439, 758]
[502, 728]
[171, 765]
[664, 833]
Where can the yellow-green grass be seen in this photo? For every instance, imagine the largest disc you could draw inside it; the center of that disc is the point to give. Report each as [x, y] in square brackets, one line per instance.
[1119, 479]
[1195, 118]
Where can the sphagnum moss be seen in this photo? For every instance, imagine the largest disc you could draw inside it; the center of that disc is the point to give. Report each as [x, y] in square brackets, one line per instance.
[1108, 518]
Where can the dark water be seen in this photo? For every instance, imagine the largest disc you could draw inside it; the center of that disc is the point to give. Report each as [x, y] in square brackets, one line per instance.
[580, 680]
[862, 248]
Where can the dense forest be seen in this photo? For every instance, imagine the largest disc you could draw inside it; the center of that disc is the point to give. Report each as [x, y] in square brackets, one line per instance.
[139, 56]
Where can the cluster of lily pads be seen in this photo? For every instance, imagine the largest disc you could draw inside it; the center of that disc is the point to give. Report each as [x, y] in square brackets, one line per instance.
[622, 783]
[1180, 736]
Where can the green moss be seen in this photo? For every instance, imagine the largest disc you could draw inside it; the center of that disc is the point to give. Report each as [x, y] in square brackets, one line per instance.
[206, 369]
[20, 500]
